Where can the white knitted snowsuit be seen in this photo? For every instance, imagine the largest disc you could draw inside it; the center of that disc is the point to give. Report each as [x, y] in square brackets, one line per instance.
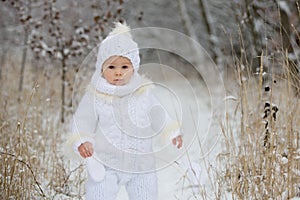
[138, 186]
[121, 127]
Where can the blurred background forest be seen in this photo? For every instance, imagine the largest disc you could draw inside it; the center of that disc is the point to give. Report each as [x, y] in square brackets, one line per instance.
[60, 34]
[44, 43]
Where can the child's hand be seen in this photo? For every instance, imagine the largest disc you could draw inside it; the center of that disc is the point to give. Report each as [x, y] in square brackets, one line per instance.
[177, 141]
[86, 149]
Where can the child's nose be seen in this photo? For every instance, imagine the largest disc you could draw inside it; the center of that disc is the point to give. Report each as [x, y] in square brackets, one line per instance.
[118, 73]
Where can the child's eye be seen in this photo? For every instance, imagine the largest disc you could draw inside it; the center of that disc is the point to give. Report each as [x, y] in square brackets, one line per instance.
[124, 67]
[111, 67]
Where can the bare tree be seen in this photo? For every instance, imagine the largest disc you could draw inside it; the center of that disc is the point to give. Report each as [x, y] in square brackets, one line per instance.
[287, 46]
[23, 12]
[186, 19]
[4, 50]
[209, 29]
[25, 15]
[54, 35]
[63, 32]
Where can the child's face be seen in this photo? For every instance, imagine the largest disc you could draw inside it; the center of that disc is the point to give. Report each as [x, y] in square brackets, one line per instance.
[117, 70]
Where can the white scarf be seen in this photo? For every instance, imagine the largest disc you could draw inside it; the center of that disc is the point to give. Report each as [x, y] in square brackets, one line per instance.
[103, 86]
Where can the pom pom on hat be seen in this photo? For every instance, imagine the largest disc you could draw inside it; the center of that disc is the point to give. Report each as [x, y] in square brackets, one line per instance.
[120, 28]
[119, 42]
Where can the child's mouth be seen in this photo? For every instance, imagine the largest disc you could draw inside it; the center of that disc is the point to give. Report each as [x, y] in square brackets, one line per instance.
[118, 81]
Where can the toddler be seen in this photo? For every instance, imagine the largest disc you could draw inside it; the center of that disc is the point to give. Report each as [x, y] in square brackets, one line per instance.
[115, 122]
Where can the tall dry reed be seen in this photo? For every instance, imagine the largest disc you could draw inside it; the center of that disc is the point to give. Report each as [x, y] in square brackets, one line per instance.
[31, 142]
[261, 158]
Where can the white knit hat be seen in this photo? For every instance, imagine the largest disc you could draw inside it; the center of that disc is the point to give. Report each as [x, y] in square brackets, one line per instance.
[119, 42]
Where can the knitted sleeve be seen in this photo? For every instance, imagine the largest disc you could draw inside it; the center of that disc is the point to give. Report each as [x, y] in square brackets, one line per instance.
[84, 123]
[161, 121]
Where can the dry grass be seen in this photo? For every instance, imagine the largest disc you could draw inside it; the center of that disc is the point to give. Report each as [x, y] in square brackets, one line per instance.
[32, 163]
[261, 132]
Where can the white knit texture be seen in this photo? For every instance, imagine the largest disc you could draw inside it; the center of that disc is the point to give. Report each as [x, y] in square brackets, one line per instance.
[138, 186]
[122, 126]
[119, 43]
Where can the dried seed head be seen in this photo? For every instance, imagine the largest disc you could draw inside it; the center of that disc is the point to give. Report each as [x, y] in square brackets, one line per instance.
[267, 88]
